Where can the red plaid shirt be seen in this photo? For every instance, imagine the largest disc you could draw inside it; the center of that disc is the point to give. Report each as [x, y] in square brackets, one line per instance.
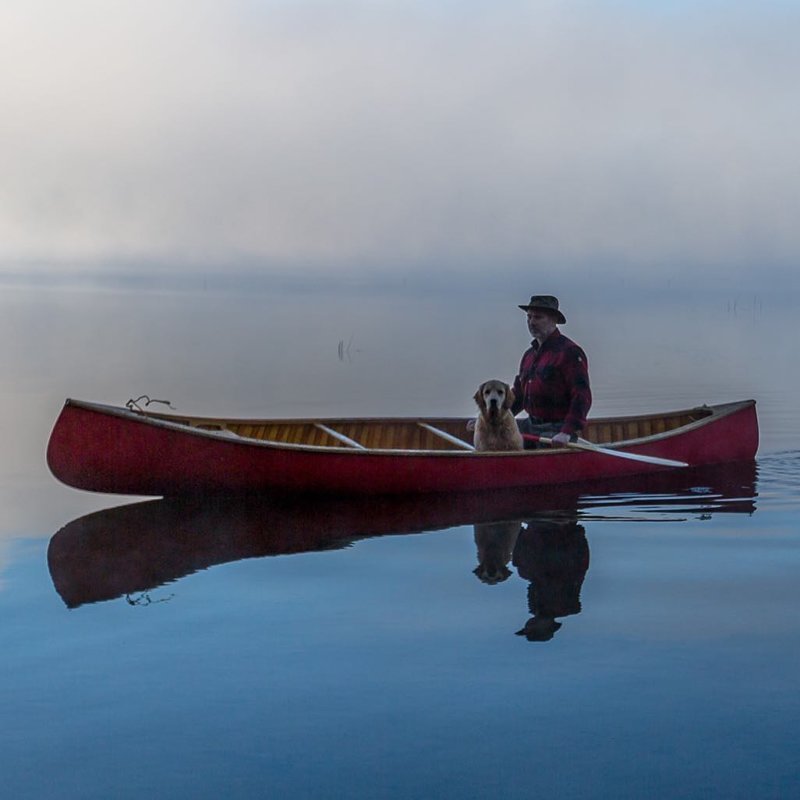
[553, 383]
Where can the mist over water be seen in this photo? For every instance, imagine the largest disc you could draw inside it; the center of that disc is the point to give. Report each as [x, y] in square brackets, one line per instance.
[351, 649]
[311, 209]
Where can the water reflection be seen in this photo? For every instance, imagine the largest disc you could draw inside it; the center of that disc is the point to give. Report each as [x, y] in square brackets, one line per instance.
[132, 549]
[550, 551]
[495, 542]
[553, 555]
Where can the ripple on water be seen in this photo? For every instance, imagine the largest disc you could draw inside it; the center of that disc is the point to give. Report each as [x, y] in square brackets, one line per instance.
[779, 478]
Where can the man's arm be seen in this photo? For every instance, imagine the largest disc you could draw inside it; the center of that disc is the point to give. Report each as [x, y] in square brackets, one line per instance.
[577, 376]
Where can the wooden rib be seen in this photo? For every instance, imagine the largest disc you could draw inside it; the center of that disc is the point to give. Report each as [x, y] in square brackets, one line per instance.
[318, 437]
[340, 436]
[395, 438]
[446, 436]
[352, 430]
[369, 435]
[622, 430]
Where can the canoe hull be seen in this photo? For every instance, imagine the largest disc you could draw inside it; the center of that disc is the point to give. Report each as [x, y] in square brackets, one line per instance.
[101, 449]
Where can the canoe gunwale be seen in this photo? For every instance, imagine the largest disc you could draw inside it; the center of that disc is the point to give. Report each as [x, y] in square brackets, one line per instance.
[192, 426]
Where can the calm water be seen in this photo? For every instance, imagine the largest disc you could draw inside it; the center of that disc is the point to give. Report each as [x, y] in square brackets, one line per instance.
[352, 649]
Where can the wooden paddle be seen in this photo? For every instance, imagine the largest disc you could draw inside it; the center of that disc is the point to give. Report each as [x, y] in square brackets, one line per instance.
[607, 451]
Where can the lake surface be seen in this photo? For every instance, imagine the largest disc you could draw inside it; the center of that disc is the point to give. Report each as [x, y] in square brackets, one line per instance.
[359, 649]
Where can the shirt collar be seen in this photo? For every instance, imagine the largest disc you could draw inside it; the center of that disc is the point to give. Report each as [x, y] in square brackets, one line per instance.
[556, 334]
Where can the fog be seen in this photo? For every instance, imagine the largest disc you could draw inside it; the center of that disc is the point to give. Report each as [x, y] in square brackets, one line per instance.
[651, 141]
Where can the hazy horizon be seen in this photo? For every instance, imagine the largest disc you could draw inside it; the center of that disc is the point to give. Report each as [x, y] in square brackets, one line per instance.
[653, 142]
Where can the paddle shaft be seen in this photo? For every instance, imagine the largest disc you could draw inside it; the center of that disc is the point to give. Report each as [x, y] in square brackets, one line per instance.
[606, 451]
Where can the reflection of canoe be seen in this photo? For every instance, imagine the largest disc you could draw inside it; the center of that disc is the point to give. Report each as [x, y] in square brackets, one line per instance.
[137, 547]
[107, 449]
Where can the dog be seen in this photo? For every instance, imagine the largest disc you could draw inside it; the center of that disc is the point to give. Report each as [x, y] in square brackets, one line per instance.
[496, 428]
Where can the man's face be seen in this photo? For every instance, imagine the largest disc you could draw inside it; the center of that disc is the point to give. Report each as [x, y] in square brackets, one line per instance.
[540, 323]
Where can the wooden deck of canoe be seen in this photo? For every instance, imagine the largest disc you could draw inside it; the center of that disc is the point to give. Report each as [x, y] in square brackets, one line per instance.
[430, 434]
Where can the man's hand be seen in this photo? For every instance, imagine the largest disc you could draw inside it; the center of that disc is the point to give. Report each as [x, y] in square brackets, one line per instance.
[561, 438]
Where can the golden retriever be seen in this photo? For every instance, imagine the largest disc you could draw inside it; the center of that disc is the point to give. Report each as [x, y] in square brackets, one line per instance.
[496, 428]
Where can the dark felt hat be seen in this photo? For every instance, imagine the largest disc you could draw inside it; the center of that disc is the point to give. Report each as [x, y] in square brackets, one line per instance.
[546, 302]
[539, 629]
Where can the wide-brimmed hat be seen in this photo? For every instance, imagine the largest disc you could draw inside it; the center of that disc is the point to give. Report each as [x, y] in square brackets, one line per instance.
[546, 302]
[539, 629]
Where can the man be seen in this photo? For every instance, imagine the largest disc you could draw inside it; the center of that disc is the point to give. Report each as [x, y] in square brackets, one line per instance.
[553, 380]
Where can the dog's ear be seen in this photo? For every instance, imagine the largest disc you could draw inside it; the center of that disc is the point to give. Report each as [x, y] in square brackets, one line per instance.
[510, 397]
[478, 398]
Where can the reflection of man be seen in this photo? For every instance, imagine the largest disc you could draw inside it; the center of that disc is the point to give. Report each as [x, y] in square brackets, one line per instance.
[553, 554]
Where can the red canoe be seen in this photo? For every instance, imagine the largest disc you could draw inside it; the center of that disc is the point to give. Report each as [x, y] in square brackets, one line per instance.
[130, 451]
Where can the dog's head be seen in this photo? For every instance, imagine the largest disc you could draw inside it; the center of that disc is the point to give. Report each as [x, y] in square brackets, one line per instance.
[492, 574]
[494, 396]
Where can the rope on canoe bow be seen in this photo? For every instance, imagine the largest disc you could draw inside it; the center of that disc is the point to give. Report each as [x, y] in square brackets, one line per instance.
[133, 405]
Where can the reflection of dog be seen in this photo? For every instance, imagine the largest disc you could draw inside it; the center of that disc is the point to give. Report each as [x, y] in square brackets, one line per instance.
[496, 428]
[495, 542]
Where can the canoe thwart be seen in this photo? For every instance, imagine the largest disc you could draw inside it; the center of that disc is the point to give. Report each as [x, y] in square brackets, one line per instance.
[339, 436]
[446, 436]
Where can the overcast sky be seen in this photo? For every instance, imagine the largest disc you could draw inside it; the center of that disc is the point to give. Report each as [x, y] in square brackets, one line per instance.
[380, 136]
